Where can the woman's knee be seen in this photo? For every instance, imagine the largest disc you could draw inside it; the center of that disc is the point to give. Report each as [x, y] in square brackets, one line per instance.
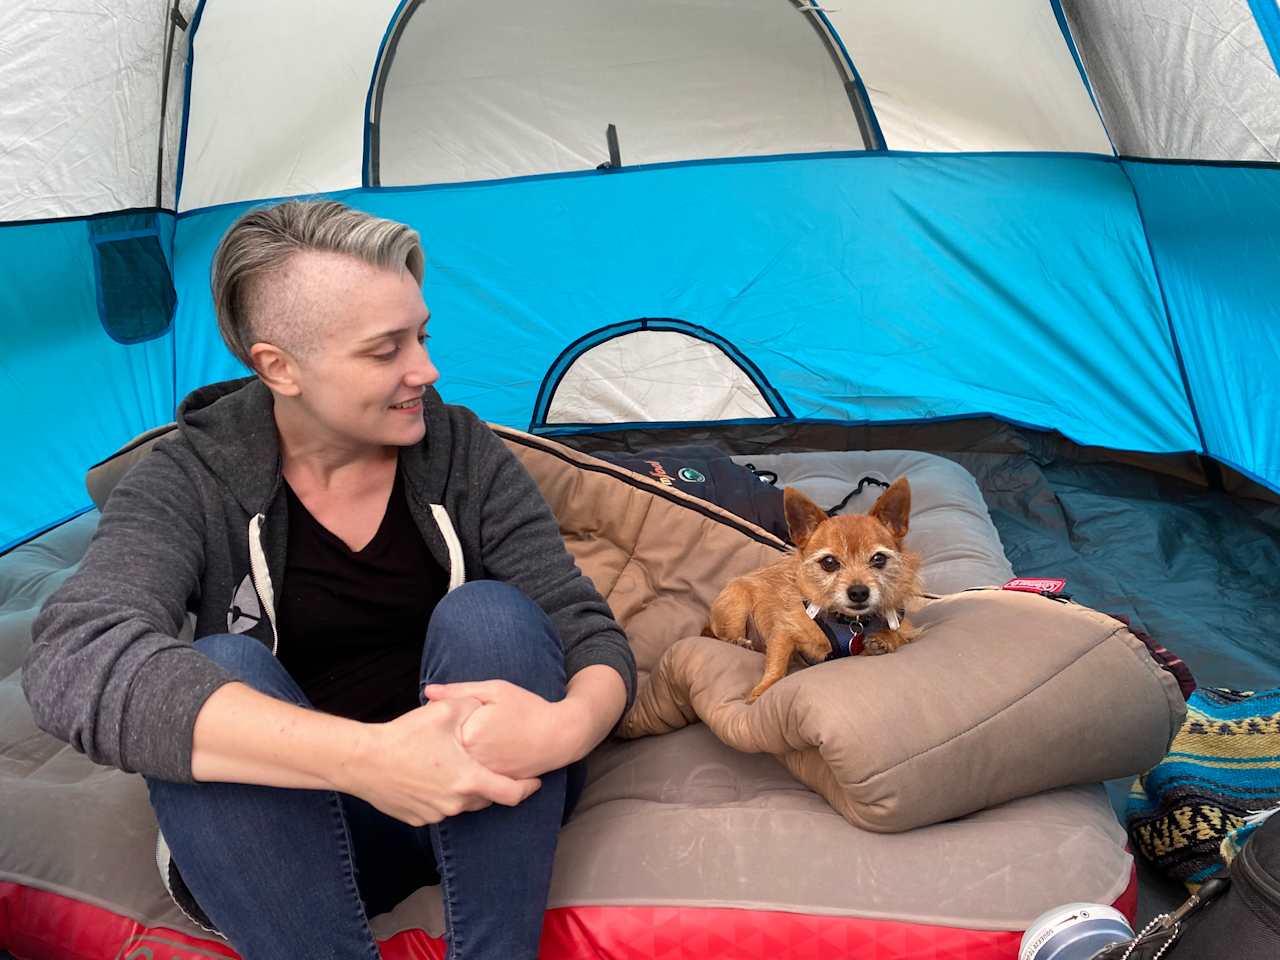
[486, 630]
[485, 599]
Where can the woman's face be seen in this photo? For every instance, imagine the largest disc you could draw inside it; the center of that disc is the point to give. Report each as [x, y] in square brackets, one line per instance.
[361, 384]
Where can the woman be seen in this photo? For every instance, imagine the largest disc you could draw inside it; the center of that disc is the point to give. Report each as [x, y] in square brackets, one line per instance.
[327, 511]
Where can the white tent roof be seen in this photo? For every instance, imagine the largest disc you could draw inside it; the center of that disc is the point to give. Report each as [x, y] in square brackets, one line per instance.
[979, 75]
[80, 111]
[279, 90]
[278, 97]
[469, 98]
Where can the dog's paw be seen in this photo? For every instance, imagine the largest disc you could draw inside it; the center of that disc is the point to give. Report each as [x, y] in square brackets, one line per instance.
[888, 641]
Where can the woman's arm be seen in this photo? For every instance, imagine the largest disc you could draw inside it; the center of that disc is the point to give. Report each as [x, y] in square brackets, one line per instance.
[414, 768]
[593, 706]
[521, 545]
[518, 733]
[106, 671]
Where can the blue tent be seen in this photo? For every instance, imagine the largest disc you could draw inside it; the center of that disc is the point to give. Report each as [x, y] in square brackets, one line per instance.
[1061, 215]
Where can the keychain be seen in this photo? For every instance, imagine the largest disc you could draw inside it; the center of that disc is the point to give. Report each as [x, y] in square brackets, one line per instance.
[1158, 936]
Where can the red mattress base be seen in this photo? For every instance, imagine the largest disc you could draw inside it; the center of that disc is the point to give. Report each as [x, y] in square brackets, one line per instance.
[37, 925]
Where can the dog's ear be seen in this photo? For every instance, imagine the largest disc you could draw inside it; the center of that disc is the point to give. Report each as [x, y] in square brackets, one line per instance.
[803, 516]
[893, 509]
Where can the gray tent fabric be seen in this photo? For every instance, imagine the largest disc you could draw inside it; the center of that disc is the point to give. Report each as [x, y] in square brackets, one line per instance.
[1195, 568]
[1180, 79]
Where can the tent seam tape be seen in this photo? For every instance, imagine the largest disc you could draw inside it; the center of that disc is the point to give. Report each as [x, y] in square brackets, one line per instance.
[86, 217]
[573, 429]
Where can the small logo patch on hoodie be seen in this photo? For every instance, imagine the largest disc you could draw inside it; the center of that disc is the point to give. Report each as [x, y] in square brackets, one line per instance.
[245, 611]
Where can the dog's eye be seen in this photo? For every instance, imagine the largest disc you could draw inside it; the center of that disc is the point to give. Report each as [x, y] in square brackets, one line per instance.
[878, 560]
[829, 564]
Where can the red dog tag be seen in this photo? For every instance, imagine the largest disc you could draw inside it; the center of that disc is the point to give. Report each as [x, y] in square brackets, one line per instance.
[1035, 585]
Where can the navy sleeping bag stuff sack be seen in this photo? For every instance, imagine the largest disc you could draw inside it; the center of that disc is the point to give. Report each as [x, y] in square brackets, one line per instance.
[709, 473]
[1244, 922]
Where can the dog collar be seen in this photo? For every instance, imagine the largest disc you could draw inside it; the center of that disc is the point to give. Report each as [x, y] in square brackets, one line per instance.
[847, 635]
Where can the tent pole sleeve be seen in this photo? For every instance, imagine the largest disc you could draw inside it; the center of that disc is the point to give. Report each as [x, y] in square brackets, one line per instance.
[176, 20]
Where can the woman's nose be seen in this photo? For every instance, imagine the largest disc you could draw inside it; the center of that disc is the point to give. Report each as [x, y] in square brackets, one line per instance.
[423, 372]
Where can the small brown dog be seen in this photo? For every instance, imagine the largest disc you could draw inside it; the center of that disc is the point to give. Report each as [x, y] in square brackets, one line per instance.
[840, 593]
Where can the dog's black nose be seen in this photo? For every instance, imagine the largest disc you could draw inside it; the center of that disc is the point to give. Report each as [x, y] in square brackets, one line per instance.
[858, 593]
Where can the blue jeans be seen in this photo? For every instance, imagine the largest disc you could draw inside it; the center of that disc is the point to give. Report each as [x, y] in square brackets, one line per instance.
[297, 873]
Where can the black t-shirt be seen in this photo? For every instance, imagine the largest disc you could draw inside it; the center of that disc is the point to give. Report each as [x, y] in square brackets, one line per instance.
[352, 623]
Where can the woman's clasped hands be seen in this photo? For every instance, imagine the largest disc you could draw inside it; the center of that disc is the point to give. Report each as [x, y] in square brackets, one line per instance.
[472, 744]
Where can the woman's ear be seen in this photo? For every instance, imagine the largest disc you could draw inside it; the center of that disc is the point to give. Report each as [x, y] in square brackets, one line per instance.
[275, 368]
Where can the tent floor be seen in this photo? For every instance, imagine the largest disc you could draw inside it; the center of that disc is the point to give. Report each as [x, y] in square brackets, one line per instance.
[1195, 568]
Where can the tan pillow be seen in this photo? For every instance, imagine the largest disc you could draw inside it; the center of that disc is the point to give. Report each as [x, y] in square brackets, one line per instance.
[103, 477]
[1002, 696]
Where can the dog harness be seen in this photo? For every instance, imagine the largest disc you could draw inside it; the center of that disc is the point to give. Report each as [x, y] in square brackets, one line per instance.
[847, 635]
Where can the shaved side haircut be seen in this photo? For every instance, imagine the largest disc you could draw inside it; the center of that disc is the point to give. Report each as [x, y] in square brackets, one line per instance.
[251, 293]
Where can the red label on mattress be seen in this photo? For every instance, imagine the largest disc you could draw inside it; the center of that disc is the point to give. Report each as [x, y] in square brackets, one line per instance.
[1035, 585]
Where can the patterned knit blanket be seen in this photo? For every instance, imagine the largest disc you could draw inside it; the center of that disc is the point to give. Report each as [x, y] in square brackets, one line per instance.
[1223, 766]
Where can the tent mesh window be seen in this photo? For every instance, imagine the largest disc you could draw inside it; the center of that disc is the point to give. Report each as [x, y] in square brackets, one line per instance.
[1190, 79]
[653, 375]
[135, 290]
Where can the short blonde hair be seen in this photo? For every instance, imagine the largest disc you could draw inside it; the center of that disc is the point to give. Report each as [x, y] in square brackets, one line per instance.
[263, 240]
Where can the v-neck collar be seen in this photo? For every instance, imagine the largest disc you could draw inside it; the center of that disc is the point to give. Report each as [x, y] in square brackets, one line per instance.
[397, 489]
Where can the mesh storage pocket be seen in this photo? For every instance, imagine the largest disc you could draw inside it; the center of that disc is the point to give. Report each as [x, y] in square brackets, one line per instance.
[135, 290]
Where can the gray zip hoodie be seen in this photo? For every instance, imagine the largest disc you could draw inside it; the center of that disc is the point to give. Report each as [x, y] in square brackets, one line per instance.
[200, 525]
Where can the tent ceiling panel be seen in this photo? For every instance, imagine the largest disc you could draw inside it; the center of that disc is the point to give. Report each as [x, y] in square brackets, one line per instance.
[981, 75]
[655, 375]
[513, 88]
[1185, 79]
[81, 106]
[278, 98]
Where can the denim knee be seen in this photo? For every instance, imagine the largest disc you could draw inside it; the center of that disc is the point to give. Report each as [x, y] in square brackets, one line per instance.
[251, 662]
[487, 630]
[496, 599]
